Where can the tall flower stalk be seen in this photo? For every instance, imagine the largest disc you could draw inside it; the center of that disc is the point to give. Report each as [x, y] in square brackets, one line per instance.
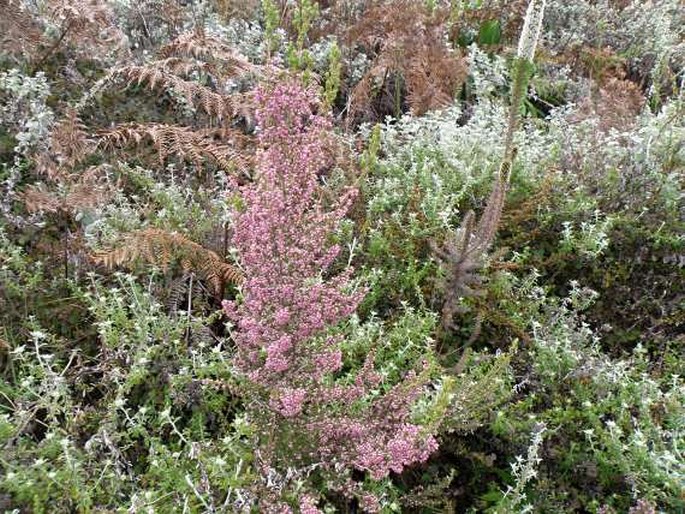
[522, 72]
[523, 65]
[464, 255]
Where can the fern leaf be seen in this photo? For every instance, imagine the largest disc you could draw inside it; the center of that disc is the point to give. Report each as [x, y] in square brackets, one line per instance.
[172, 140]
[161, 248]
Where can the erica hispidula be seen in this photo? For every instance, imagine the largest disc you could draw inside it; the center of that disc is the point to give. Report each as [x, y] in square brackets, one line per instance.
[305, 417]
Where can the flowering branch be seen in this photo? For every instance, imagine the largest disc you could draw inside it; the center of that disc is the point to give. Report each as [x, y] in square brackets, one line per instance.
[284, 347]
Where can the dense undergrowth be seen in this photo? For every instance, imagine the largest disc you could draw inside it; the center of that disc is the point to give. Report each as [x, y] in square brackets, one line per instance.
[342, 256]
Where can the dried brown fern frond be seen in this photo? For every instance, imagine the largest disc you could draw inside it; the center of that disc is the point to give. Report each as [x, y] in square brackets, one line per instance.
[20, 32]
[162, 248]
[73, 186]
[616, 105]
[433, 77]
[78, 197]
[69, 145]
[156, 76]
[38, 198]
[173, 140]
[79, 24]
[88, 18]
[88, 27]
[178, 290]
[183, 67]
[407, 40]
[197, 45]
[87, 189]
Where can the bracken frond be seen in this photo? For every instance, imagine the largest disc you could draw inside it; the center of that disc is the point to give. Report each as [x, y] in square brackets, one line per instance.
[179, 63]
[74, 187]
[20, 32]
[162, 248]
[79, 24]
[207, 49]
[69, 145]
[177, 292]
[88, 17]
[408, 41]
[155, 75]
[37, 198]
[433, 77]
[76, 192]
[174, 140]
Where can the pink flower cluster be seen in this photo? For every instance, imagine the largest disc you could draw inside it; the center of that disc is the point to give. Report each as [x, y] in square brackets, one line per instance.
[283, 240]
[290, 402]
[384, 439]
[308, 505]
[282, 237]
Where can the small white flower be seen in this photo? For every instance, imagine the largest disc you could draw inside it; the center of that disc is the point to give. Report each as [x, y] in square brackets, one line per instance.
[38, 335]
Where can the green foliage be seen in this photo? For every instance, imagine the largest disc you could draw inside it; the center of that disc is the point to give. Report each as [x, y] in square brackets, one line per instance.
[271, 23]
[403, 345]
[332, 82]
[611, 423]
[414, 194]
[490, 33]
[297, 56]
[559, 387]
[151, 424]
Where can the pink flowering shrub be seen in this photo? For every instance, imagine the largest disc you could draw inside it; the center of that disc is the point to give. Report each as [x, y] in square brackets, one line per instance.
[306, 413]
